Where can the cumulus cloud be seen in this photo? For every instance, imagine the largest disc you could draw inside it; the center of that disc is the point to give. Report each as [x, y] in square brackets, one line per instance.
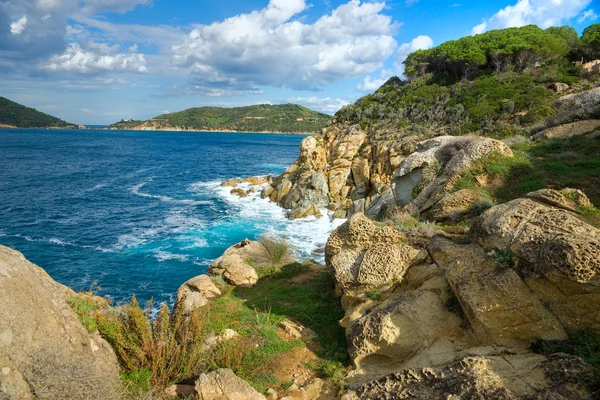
[588, 15]
[270, 47]
[544, 13]
[16, 28]
[325, 105]
[95, 57]
[370, 83]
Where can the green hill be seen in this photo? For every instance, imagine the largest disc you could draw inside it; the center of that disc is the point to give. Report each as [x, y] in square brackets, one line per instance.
[16, 115]
[288, 118]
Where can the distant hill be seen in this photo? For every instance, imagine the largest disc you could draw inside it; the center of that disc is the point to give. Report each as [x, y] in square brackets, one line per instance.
[285, 118]
[18, 116]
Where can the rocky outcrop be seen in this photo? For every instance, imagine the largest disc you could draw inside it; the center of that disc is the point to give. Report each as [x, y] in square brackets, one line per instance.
[454, 206]
[342, 169]
[196, 293]
[568, 130]
[233, 265]
[573, 107]
[45, 351]
[223, 384]
[504, 377]
[431, 172]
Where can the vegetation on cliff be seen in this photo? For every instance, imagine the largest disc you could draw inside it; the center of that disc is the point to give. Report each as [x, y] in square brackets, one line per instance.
[288, 118]
[497, 83]
[17, 115]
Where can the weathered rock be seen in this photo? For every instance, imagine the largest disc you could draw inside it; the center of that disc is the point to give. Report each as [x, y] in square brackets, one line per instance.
[293, 330]
[235, 270]
[362, 254]
[44, 349]
[434, 167]
[239, 192]
[305, 210]
[560, 87]
[500, 308]
[233, 265]
[223, 384]
[196, 293]
[546, 241]
[568, 130]
[573, 107]
[455, 205]
[506, 377]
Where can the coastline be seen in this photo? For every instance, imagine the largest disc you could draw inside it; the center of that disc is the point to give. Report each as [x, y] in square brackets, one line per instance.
[210, 131]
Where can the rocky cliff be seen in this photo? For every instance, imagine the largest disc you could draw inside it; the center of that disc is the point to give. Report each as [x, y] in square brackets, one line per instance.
[45, 351]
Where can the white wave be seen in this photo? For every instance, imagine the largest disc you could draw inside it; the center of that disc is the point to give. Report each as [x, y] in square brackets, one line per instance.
[305, 235]
[162, 255]
[60, 242]
[195, 243]
[165, 199]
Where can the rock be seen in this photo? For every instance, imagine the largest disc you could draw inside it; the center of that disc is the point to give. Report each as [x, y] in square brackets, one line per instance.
[380, 203]
[362, 254]
[546, 241]
[44, 349]
[239, 192]
[196, 293]
[570, 108]
[211, 341]
[305, 210]
[180, 390]
[233, 265]
[340, 214]
[566, 131]
[231, 182]
[294, 330]
[235, 270]
[455, 205]
[271, 394]
[520, 376]
[560, 87]
[223, 384]
[433, 169]
[500, 308]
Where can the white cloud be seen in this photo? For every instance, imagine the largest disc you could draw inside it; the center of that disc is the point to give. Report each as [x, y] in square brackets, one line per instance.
[94, 57]
[544, 13]
[370, 84]
[421, 42]
[270, 47]
[325, 105]
[16, 28]
[589, 14]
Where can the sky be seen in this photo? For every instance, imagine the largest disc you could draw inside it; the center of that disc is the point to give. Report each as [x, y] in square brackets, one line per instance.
[100, 61]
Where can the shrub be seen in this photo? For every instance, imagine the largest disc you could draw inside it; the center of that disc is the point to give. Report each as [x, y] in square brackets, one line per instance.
[277, 251]
[169, 348]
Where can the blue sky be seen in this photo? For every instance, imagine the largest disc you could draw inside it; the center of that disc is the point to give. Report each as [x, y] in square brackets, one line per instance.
[98, 61]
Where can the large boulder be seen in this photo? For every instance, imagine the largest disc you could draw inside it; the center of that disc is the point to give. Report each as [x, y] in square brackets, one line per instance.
[571, 108]
[362, 254]
[223, 384]
[546, 240]
[501, 377]
[196, 293]
[430, 173]
[233, 265]
[568, 130]
[45, 351]
[499, 306]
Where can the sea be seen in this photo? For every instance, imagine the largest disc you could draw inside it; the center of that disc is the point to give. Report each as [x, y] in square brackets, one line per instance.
[139, 213]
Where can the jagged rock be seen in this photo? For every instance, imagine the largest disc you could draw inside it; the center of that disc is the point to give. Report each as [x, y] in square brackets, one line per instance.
[44, 349]
[573, 107]
[500, 308]
[560, 199]
[435, 166]
[568, 130]
[196, 293]
[233, 265]
[546, 241]
[305, 210]
[253, 180]
[380, 203]
[239, 192]
[294, 330]
[507, 377]
[455, 205]
[223, 384]
[362, 254]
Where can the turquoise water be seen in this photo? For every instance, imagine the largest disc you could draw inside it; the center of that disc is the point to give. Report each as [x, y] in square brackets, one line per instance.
[139, 212]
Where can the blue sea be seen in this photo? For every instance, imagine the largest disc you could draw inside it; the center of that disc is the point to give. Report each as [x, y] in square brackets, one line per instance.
[140, 212]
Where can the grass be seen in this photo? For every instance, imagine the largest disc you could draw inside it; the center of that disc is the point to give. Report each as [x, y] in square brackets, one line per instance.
[556, 164]
[277, 251]
[584, 344]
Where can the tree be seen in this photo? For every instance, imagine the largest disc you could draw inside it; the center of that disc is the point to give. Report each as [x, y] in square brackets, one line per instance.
[566, 32]
[591, 41]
